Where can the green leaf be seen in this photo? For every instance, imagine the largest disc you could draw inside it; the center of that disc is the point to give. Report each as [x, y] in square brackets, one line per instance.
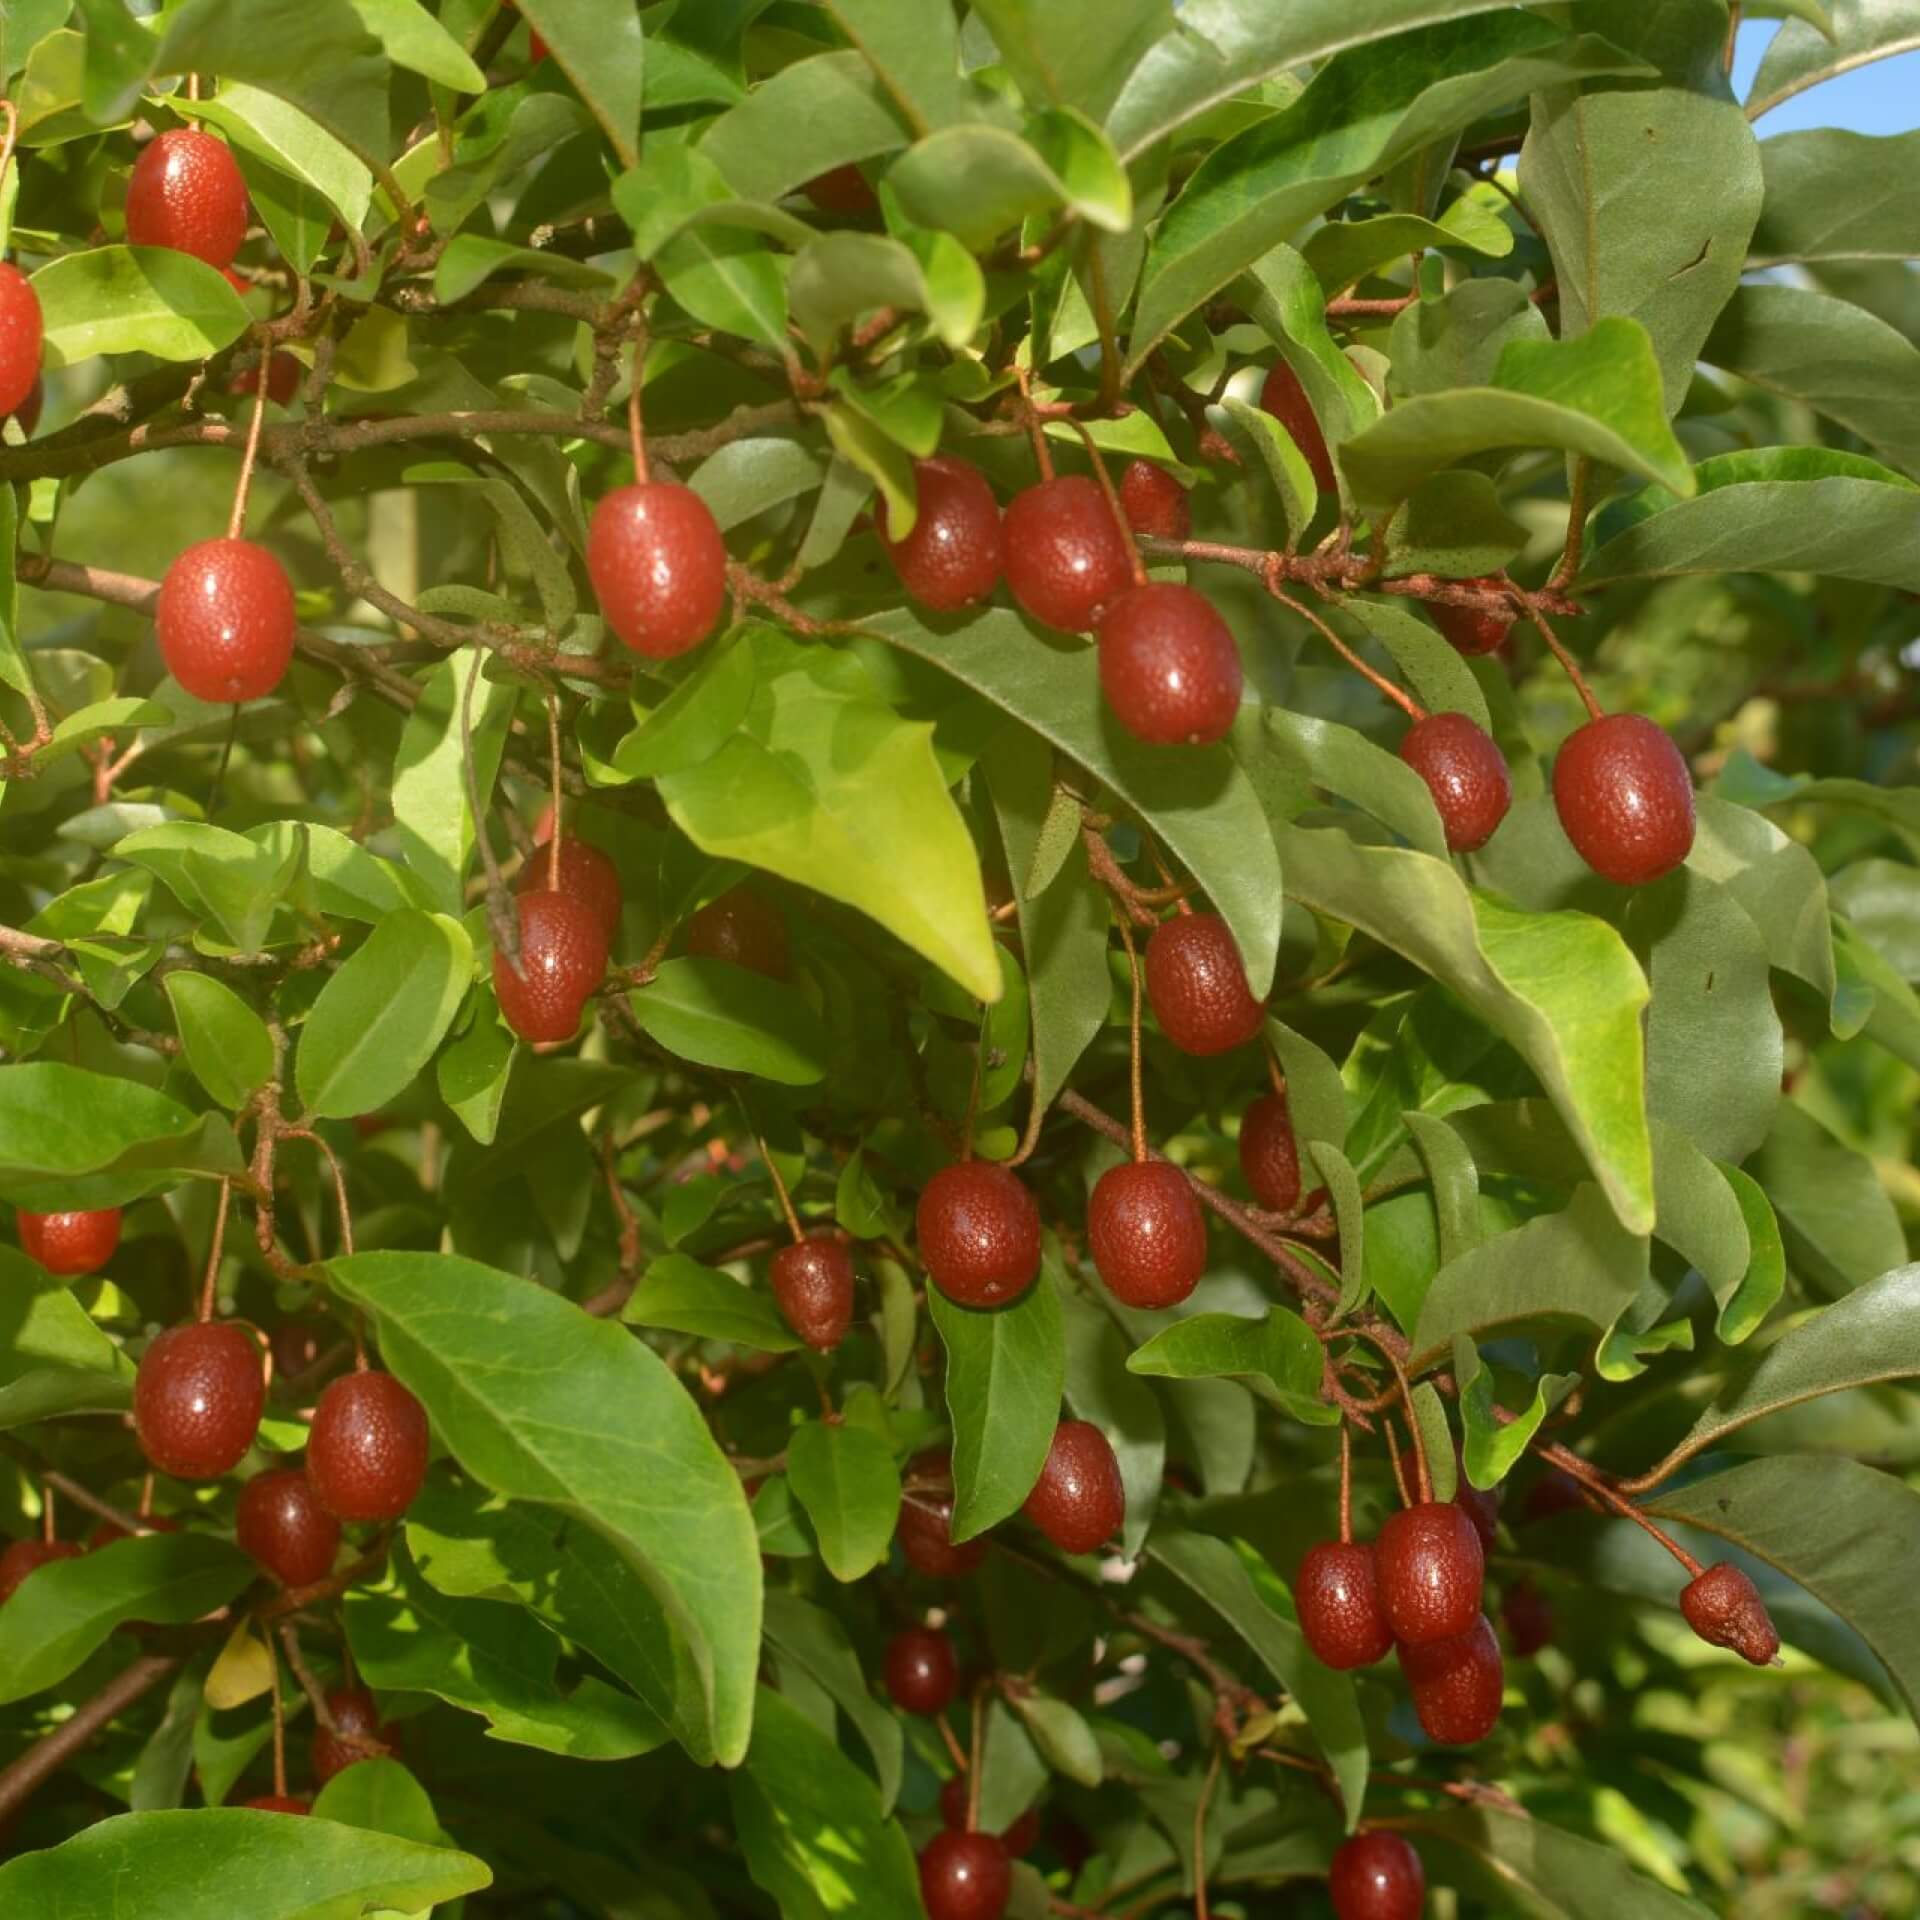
[1345, 251]
[1054, 57]
[135, 300]
[54, 1359]
[1277, 1356]
[1489, 1449]
[414, 39]
[730, 1017]
[471, 259]
[1457, 339]
[230, 879]
[817, 1644]
[801, 122]
[1834, 195]
[379, 1795]
[729, 279]
[750, 476]
[1341, 761]
[263, 124]
[603, 55]
[1800, 56]
[473, 1073]
[839, 276]
[1841, 1228]
[846, 1479]
[1064, 1739]
[544, 1403]
[683, 1296]
[226, 1043]
[1452, 524]
[1101, 1388]
[119, 56]
[913, 48]
[1744, 1306]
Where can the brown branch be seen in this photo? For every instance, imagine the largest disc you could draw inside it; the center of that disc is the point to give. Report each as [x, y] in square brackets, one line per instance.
[52, 1751]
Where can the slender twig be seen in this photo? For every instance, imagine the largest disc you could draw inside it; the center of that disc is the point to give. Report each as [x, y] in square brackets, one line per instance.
[1576, 521]
[237, 519]
[1200, 1833]
[339, 1182]
[1385, 687]
[213, 1256]
[52, 1751]
[1135, 1076]
[316, 1696]
[1594, 709]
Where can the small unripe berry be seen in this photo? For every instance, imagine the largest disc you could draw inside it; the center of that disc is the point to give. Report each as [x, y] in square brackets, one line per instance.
[197, 1399]
[225, 621]
[70, 1243]
[186, 193]
[358, 1733]
[1285, 398]
[585, 872]
[1146, 1233]
[367, 1448]
[1431, 1568]
[1066, 554]
[281, 1522]
[1466, 774]
[743, 929]
[1471, 629]
[563, 959]
[965, 1876]
[23, 1557]
[1079, 1501]
[954, 554]
[1338, 1599]
[979, 1233]
[1456, 1684]
[658, 567]
[1168, 666]
[1625, 798]
[1270, 1153]
[1154, 501]
[923, 1674]
[1377, 1876]
[1724, 1608]
[278, 1803]
[1197, 985]
[22, 334]
[1527, 1615]
[813, 1288]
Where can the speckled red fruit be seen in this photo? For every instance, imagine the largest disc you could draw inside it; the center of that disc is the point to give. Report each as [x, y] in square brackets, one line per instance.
[813, 1288]
[585, 872]
[1481, 1507]
[965, 1876]
[1466, 774]
[922, 1671]
[1338, 1597]
[1270, 1153]
[70, 1243]
[742, 929]
[1553, 1493]
[28, 411]
[197, 1399]
[1527, 1615]
[1066, 554]
[281, 1522]
[1020, 1839]
[954, 554]
[842, 190]
[563, 959]
[108, 1531]
[1625, 798]
[21, 333]
[1154, 501]
[27, 1556]
[1197, 986]
[367, 1448]
[284, 374]
[1079, 1501]
[186, 193]
[1431, 1569]
[1724, 1608]
[1471, 629]
[1168, 666]
[979, 1233]
[925, 1530]
[1456, 1684]
[357, 1731]
[278, 1803]
[1377, 1876]
[658, 567]
[225, 620]
[1285, 398]
[1146, 1233]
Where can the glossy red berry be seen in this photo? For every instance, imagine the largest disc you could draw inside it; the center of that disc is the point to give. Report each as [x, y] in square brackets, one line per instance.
[1377, 1876]
[1197, 985]
[284, 374]
[70, 1243]
[1066, 554]
[965, 1876]
[742, 929]
[1285, 398]
[813, 1288]
[1431, 1569]
[197, 1399]
[979, 1233]
[925, 1529]
[281, 1522]
[1466, 774]
[1527, 1615]
[1168, 666]
[367, 1448]
[1625, 798]
[586, 873]
[1471, 629]
[186, 193]
[357, 1735]
[954, 554]
[1270, 1153]
[563, 959]
[1338, 1599]
[28, 1556]
[1724, 1608]
[842, 190]
[1147, 1234]
[922, 1671]
[22, 332]
[1456, 1684]
[1079, 1502]
[225, 620]
[1154, 501]
[1553, 1493]
[658, 567]
[278, 1803]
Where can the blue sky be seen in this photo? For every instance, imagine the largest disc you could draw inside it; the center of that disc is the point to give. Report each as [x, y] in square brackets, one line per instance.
[1881, 98]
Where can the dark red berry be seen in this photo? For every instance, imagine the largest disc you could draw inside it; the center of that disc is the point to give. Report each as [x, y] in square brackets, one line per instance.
[108, 1531]
[1338, 1598]
[225, 620]
[1066, 554]
[283, 1525]
[1527, 1615]
[742, 929]
[1270, 1153]
[367, 1448]
[842, 190]
[1625, 798]
[1079, 1500]
[28, 411]
[563, 959]
[22, 331]
[1377, 1876]
[28, 1556]
[186, 193]
[1553, 1493]
[585, 872]
[1154, 501]
[1456, 1684]
[357, 1733]
[1286, 399]
[658, 567]
[197, 1399]
[925, 1530]
[923, 1674]
[1431, 1568]
[1481, 1506]
[979, 1233]
[1197, 986]
[284, 374]
[1168, 666]
[1466, 774]
[1724, 1608]
[1020, 1839]
[1472, 629]
[965, 1876]
[813, 1288]
[1147, 1234]
[953, 556]
[278, 1803]
[70, 1243]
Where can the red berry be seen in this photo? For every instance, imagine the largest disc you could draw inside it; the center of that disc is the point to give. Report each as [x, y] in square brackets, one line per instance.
[1527, 1615]
[1377, 1876]
[1338, 1598]
[108, 1531]
[1456, 1684]
[925, 1530]
[813, 1288]
[278, 1803]
[563, 959]
[1146, 1233]
[1553, 1493]
[922, 1673]
[586, 873]
[1471, 629]
[1079, 1500]
[1431, 1569]
[187, 193]
[367, 1448]
[742, 929]
[21, 334]
[1067, 556]
[536, 47]
[1466, 774]
[1625, 798]
[284, 374]
[1020, 1839]
[1270, 1153]
[27, 1556]
[225, 620]
[1168, 666]
[357, 1735]
[953, 555]
[979, 1233]
[1286, 399]
[658, 567]
[1154, 501]
[1197, 986]
[842, 190]
[280, 1522]
[1725, 1609]
[197, 1399]
[70, 1243]
[965, 1876]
